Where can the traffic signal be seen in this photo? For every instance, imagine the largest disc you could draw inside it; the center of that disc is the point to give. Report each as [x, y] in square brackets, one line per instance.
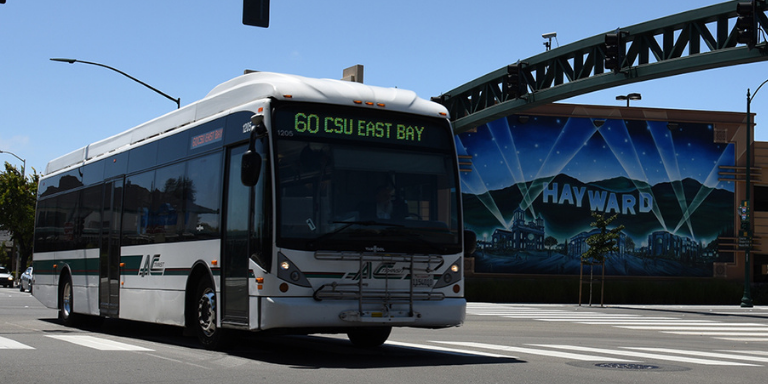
[513, 81]
[614, 51]
[746, 23]
[256, 13]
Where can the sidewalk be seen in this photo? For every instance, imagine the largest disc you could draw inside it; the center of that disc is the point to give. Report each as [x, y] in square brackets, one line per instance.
[720, 310]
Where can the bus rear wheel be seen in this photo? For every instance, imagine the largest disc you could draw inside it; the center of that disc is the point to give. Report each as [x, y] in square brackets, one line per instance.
[208, 333]
[369, 337]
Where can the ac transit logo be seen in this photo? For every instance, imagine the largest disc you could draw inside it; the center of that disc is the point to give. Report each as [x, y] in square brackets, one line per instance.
[151, 265]
[387, 270]
[365, 272]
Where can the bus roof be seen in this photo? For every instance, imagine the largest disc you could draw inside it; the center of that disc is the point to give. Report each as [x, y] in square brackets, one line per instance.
[251, 87]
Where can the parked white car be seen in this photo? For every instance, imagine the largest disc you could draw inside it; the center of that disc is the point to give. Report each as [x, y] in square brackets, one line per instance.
[26, 281]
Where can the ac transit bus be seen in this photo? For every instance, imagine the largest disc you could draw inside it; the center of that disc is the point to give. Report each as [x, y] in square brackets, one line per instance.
[276, 203]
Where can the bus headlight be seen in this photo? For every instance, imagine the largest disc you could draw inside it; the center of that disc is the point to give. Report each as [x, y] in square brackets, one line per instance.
[452, 275]
[287, 271]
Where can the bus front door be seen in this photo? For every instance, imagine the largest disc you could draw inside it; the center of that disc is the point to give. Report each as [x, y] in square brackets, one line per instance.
[109, 256]
[235, 252]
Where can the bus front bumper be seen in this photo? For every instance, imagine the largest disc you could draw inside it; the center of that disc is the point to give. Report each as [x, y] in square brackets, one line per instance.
[274, 312]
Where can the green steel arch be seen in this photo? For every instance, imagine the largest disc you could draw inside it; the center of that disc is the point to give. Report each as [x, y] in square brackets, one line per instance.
[691, 41]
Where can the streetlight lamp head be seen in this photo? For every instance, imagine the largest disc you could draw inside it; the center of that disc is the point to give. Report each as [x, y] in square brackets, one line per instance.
[631, 96]
[71, 61]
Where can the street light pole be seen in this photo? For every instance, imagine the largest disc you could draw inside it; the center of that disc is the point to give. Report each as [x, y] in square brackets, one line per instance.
[72, 61]
[23, 162]
[24, 180]
[746, 300]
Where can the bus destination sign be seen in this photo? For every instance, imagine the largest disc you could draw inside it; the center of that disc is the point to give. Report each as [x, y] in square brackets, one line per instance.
[378, 127]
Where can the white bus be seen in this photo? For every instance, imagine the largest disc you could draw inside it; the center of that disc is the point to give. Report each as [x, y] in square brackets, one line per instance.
[277, 203]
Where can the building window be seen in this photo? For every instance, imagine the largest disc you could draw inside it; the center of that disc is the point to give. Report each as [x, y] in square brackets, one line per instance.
[760, 198]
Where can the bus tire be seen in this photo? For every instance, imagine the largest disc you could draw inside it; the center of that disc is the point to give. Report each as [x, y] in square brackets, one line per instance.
[369, 337]
[67, 316]
[208, 332]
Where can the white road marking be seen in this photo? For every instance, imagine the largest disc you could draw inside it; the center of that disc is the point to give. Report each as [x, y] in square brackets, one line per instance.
[648, 322]
[12, 344]
[531, 351]
[602, 318]
[645, 355]
[713, 327]
[761, 353]
[463, 352]
[98, 343]
[703, 354]
[734, 334]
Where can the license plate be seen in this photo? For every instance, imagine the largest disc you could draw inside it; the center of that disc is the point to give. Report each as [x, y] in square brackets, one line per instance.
[422, 281]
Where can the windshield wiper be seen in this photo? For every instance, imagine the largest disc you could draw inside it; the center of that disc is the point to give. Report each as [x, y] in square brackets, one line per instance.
[336, 231]
[364, 222]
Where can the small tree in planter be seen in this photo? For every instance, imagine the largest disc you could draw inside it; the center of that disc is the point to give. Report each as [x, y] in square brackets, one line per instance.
[600, 245]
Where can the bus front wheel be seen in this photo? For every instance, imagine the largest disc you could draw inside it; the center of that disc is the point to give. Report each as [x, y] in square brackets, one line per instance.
[209, 334]
[369, 337]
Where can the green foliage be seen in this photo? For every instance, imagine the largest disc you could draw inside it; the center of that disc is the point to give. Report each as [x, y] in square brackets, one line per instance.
[603, 243]
[17, 207]
[4, 256]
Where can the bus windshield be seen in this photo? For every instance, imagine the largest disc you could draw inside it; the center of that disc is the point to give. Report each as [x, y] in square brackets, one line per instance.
[366, 189]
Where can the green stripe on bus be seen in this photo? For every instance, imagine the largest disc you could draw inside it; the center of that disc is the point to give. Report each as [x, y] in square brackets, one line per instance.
[80, 267]
[131, 264]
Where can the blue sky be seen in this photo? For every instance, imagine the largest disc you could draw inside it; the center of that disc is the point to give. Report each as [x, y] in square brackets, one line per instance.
[187, 47]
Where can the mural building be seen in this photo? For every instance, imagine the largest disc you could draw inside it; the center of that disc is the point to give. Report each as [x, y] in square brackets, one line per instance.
[534, 180]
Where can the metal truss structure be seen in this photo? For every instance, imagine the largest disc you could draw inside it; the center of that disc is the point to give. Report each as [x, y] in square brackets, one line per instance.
[687, 42]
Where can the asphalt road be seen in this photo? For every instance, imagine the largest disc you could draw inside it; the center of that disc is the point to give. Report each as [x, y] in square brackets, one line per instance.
[499, 343]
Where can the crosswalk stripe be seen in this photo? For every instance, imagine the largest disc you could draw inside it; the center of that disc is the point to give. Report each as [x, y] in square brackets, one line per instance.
[648, 322]
[570, 315]
[599, 318]
[761, 353]
[646, 355]
[764, 314]
[713, 327]
[516, 313]
[463, 352]
[12, 344]
[709, 333]
[98, 343]
[749, 332]
[703, 354]
[532, 351]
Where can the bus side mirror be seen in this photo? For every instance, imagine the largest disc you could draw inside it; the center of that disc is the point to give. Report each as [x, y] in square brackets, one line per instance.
[250, 165]
[250, 168]
[470, 243]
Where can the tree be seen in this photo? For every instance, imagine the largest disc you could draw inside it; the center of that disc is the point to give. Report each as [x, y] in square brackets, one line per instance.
[600, 244]
[18, 195]
[550, 242]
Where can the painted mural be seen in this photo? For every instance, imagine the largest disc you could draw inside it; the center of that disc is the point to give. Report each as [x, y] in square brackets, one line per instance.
[533, 182]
